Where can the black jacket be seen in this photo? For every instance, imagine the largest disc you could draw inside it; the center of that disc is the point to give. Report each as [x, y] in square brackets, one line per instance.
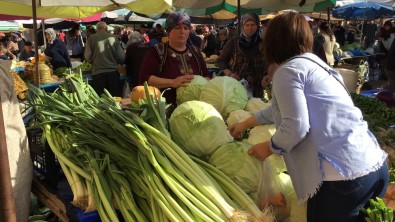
[58, 53]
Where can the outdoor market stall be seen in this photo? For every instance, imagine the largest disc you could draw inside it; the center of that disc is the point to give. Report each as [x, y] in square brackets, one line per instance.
[145, 139]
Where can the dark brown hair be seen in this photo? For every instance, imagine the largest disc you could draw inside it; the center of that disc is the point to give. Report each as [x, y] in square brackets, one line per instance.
[287, 35]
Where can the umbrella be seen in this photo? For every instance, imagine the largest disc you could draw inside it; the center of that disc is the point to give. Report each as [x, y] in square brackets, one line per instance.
[228, 9]
[133, 18]
[363, 11]
[80, 8]
[383, 2]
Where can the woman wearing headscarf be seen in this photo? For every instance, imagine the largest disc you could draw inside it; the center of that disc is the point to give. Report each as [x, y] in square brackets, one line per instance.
[175, 63]
[223, 36]
[56, 50]
[242, 56]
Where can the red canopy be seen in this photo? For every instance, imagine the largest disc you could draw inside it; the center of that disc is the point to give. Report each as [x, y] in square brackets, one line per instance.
[14, 17]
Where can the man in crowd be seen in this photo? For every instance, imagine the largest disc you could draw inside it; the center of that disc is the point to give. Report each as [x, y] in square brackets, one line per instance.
[27, 51]
[103, 50]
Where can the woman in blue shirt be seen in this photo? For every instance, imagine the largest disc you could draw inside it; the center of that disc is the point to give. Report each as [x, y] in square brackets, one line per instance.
[334, 161]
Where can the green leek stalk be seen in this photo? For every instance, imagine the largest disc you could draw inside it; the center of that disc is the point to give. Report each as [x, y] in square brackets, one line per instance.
[159, 198]
[91, 200]
[235, 192]
[103, 189]
[61, 157]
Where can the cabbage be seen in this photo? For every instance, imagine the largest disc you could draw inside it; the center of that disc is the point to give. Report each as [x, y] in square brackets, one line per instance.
[298, 211]
[192, 90]
[256, 104]
[336, 46]
[198, 128]
[225, 93]
[261, 133]
[234, 161]
[237, 116]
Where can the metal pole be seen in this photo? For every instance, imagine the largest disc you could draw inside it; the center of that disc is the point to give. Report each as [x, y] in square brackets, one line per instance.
[238, 17]
[7, 206]
[34, 7]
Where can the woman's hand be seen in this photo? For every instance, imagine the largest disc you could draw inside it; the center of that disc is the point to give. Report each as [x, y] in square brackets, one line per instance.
[182, 80]
[261, 151]
[236, 130]
[235, 76]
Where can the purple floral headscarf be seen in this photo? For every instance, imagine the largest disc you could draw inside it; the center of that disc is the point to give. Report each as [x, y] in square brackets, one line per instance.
[177, 18]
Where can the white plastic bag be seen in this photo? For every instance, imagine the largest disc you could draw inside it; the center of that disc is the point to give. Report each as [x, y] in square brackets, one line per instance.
[387, 43]
[126, 90]
[271, 193]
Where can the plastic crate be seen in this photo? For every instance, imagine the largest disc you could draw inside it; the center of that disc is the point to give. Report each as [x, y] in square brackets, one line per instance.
[45, 164]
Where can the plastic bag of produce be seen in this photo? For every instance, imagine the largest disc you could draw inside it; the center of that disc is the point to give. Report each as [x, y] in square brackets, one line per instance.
[271, 193]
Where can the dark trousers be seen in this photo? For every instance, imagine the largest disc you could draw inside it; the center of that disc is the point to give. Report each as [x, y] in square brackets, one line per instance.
[109, 81]
[340, 201]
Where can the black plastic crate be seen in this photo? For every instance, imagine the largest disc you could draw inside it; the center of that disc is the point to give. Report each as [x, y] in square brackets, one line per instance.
[45, 164]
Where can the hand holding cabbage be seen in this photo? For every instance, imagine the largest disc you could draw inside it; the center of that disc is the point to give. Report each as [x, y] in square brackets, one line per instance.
[182, 80]
[261, 151]
[237, 129]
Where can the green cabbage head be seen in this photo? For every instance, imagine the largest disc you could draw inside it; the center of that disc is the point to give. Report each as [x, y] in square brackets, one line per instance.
[192, 90]
[225, 93]
[234, 161]
[198, 128]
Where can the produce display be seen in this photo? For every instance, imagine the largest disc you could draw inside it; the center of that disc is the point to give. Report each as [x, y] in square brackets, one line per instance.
[20, 87]
[116, 160]
[138, 164]
[375, 112]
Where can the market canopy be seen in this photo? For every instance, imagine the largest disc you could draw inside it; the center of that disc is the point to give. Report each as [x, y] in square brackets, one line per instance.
[6, 26]
[347, 2]
[227, 9]
[363, 11]
[80, 8]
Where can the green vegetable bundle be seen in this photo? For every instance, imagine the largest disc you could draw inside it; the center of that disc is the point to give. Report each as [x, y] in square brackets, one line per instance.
[378, 212]
[375, 112]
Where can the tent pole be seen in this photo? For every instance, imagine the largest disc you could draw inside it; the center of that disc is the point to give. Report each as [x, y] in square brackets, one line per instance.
[43, 28]
[34, 8]
[238, 17]
[7, 206]
[328, 11]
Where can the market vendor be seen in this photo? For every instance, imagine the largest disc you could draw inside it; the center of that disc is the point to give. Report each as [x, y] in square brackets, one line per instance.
[175, 63]
[334, 161]
[56, 50]
[21, 167]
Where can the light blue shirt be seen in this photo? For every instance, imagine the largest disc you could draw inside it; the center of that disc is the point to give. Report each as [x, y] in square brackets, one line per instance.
[315, 120]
